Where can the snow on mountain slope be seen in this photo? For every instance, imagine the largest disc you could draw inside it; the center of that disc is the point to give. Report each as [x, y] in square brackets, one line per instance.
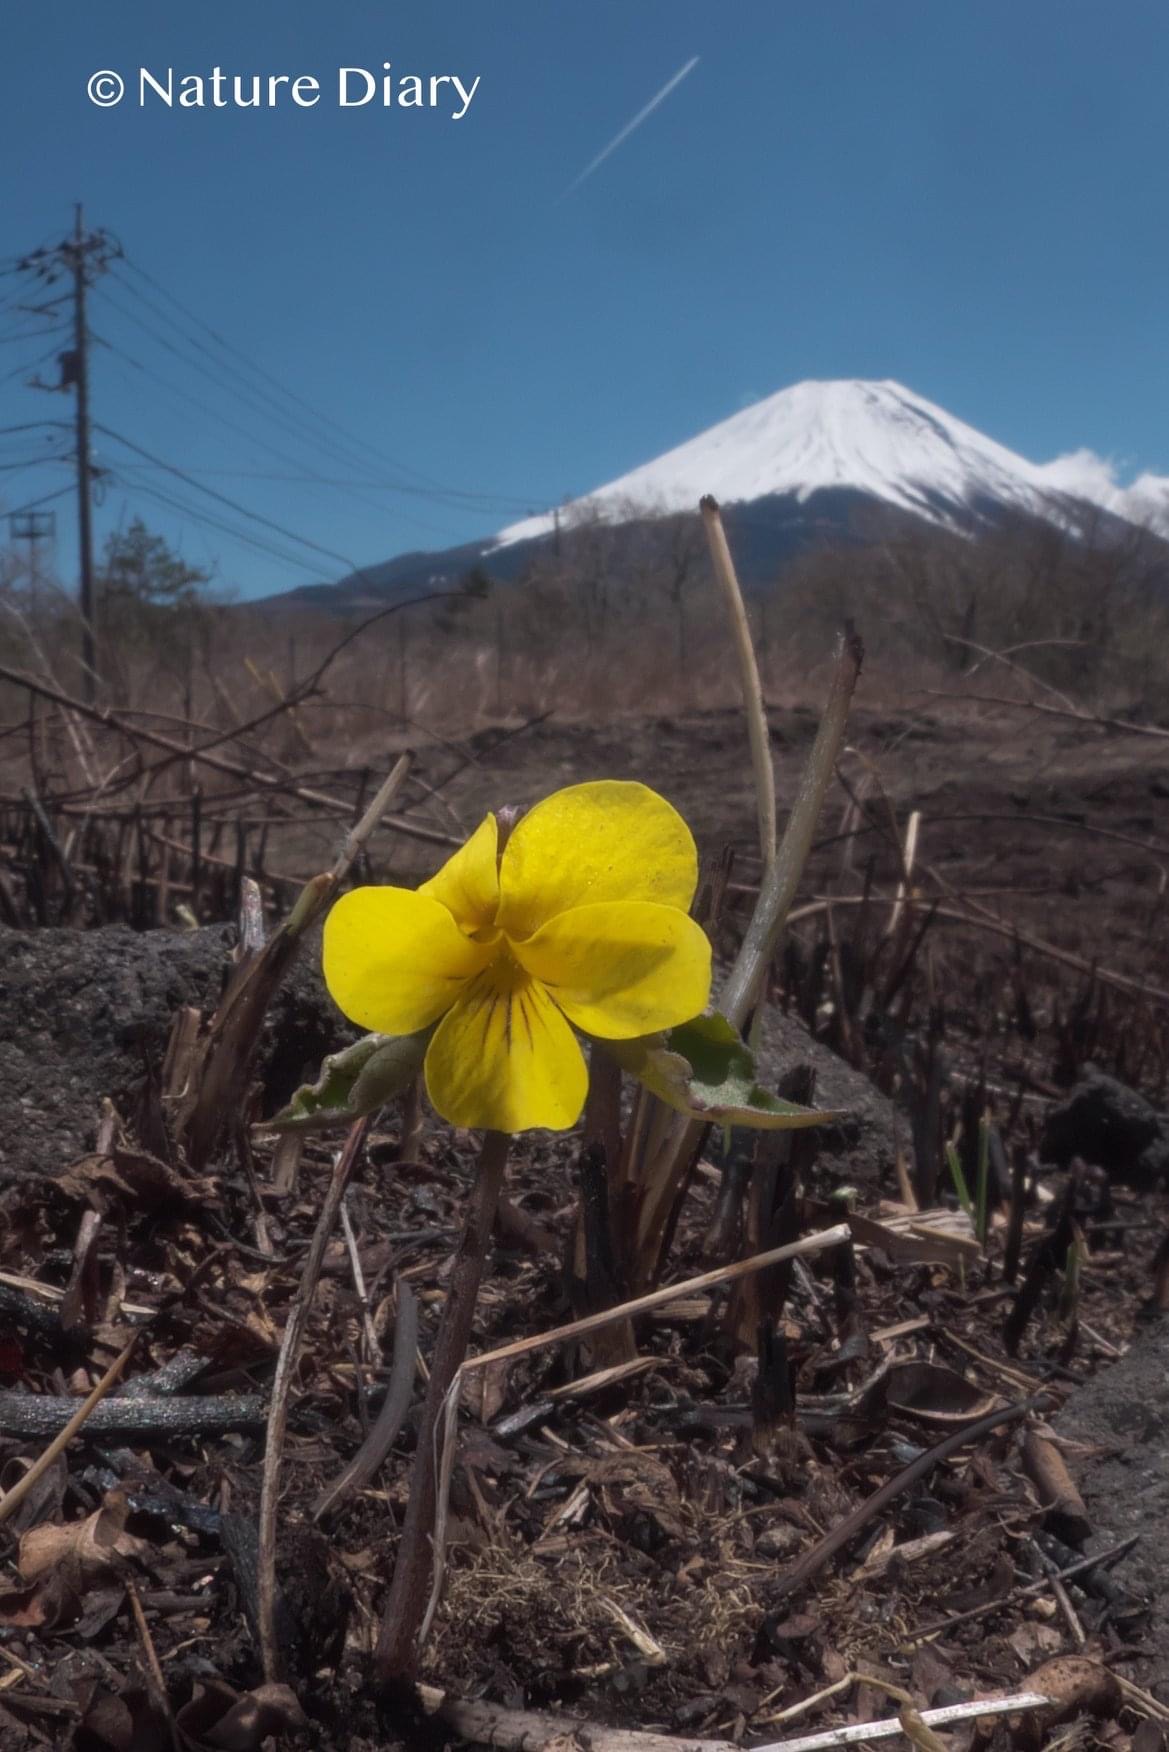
[1084, 475]
[876, 438]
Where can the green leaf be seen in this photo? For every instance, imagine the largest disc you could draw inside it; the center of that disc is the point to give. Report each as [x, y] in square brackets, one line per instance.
[354, 1082]
[705, 1070]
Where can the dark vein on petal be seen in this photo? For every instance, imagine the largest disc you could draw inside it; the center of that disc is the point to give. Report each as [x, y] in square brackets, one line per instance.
[526, 1020]
[491, 1006]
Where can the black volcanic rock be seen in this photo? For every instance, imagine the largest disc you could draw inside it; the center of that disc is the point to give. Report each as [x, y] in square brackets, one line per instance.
[1109, 1126]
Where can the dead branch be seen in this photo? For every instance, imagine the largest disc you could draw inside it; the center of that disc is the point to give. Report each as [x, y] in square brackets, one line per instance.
[813, 1561]
[39, 1415]
[513, 1730]
[218, 763]
[294, 1330]
[983, 921]
[1124, 725]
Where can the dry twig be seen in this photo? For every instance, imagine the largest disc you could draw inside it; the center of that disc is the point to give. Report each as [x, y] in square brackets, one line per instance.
[281, 1387]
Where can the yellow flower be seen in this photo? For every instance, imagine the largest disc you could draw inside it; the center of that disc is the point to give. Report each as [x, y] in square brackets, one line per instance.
[582, 919]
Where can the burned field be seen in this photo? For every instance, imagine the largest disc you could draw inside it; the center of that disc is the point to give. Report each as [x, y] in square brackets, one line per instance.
[916, 1467]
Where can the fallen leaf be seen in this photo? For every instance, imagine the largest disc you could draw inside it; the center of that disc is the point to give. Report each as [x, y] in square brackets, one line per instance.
[222, 1720]
[1033, 1641]
[139, 1178]
[64, 1566]
[87, 1549]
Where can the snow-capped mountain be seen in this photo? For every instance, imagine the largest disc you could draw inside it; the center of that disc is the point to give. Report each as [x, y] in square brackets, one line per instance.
[877, 439]
[817, 465]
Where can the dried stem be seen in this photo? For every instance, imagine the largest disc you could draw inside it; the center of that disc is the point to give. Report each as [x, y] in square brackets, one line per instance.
[1025, 1591]
[514, 1730]
[777, 890]
[780, 883]
[1125, 725]
[281, 1387]
[219, 1076]
[757, 732]
[396, 1656]
[707, 1280]
[982, 920]
[813, 1560]
[860, 1733]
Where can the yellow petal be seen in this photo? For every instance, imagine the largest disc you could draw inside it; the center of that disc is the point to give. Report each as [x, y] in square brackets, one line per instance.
[468, 883]
[504, 1059]
[623, 968]
[394, 960]
[611, 840]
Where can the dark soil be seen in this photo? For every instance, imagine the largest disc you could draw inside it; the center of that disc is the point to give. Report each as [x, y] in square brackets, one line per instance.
[1119, 1427]
[85, 1016]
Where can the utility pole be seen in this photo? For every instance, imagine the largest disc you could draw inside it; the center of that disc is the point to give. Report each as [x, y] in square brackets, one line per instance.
[32, 527]
[84, 468]
[81, 257]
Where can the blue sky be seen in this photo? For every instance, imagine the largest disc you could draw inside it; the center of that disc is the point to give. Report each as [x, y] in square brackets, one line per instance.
[969, 197]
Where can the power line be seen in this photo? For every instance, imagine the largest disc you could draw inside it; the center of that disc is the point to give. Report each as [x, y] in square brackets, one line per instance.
[232, 504]
[23, 336]
[216, 372]
[261, 372]
[78, 260]
[45, 499]
[226, 375]
[207, 519]
[120, 354]
[279, 418]
[34, 426]
[359, 448]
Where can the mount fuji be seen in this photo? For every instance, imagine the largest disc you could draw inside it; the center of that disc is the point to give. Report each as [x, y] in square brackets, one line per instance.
[877, 439]
[818, 464]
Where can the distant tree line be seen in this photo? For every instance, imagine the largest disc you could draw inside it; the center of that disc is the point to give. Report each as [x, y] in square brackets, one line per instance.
[623, 616]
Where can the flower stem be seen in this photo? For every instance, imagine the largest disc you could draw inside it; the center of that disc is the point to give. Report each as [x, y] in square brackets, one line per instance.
[396, 1655]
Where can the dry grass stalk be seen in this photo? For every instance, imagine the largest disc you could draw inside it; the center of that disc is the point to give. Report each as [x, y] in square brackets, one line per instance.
[220, 1065]
[520, 1730]
[13, 1499]
[779, 885]
[757, 731]
[859, 1733]
[723, 1274]
[979, 919]
[1024, 1590]
[290, 1344]
[396, 1655]
[673, 1143]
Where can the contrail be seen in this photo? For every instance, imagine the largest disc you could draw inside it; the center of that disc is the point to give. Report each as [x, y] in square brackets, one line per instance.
[641, 116]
